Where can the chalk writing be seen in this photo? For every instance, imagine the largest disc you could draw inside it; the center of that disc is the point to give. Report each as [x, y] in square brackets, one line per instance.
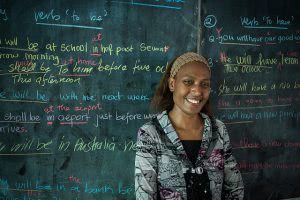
[258, 115]
[36, 189]
[3, 15]
[34, 146]
[56, 18]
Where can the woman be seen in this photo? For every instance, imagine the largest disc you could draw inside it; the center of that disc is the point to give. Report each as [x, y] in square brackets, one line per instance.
[184, 153]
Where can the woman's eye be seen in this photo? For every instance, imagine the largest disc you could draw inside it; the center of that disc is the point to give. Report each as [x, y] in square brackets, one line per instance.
[188, 82]
[205, 84]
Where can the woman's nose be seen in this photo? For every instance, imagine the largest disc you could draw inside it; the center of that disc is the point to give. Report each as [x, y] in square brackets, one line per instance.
[196, 90]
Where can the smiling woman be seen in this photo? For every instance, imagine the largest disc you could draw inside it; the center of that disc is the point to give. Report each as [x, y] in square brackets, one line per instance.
[184, 152]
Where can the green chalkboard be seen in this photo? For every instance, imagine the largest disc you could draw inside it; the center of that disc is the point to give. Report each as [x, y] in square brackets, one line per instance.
[76, 79]
[253, 47]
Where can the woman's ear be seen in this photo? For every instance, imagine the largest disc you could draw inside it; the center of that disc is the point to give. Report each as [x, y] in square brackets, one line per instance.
[171, 84]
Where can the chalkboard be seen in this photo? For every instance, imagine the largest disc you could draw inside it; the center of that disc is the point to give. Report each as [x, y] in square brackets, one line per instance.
[76, 80]
[253, 48]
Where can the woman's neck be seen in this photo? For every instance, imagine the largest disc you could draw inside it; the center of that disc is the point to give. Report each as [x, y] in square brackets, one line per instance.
[185, 121]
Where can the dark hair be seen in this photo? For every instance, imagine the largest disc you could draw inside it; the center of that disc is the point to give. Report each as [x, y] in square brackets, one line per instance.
[163, 97]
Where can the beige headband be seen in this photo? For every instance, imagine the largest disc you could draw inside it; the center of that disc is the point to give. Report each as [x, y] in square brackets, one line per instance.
[184, 59]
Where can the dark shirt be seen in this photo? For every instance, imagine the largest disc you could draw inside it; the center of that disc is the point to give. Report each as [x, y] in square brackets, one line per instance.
[191, 148]
[197, 185]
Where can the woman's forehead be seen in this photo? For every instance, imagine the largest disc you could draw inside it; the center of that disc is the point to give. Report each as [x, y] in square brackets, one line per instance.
[195, 69]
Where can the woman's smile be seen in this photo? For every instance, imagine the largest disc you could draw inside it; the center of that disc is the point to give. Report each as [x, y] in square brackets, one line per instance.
[193, 101]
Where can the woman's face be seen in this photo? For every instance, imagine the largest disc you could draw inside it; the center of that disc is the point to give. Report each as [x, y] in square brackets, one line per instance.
[191, 88]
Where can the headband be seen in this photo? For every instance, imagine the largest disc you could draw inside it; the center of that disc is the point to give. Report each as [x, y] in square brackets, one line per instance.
[184, 59]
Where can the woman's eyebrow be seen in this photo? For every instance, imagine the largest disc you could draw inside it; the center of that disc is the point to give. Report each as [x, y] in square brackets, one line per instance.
[194, 77]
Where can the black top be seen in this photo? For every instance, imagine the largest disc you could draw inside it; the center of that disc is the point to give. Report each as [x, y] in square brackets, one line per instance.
[191, 148]
[197, 185]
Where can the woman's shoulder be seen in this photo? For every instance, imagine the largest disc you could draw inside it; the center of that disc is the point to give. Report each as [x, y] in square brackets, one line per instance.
[150, 128]
[216, 125]
[152, 123]
[221, 128]
[219, 123]
[213, 121]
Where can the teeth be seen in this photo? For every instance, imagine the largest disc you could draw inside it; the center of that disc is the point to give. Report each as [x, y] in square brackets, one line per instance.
[193, 101]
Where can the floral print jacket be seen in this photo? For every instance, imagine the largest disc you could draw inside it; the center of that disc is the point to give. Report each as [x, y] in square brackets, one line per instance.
[161, 162]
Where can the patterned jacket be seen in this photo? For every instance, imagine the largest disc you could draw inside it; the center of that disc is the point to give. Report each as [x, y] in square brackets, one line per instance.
[161, 162]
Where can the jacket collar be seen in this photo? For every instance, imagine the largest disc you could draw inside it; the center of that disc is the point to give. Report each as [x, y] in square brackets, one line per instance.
[170, 132]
